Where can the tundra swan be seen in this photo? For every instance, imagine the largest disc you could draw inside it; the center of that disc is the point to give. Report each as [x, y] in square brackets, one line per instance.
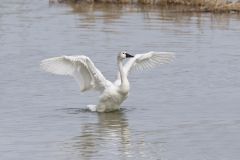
[89, 77]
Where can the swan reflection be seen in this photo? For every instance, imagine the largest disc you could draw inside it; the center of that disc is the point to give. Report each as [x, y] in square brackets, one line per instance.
[110, 135]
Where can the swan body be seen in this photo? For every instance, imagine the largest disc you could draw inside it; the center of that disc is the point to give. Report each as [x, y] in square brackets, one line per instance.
[90, 78]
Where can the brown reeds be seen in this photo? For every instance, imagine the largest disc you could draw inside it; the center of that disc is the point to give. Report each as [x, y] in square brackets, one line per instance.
[187, 5]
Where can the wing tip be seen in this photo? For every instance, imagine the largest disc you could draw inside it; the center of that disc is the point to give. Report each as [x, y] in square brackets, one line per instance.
[50, 65]
[43, 65]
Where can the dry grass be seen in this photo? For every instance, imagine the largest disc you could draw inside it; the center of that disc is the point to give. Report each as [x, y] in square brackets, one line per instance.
[211, 5]
[192, 5]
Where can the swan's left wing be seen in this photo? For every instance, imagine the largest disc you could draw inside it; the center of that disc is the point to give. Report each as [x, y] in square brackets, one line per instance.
[147, 61]
[79, 67]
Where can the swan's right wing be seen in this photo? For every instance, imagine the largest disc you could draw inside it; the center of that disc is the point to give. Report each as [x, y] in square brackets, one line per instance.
[79, 67]
[148, 60]
[145, 61]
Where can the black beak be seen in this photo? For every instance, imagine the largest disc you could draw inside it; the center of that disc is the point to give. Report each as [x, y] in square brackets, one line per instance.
[129, 55]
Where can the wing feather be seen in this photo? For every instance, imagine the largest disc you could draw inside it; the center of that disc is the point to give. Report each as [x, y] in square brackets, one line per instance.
[148, 60]
[80, 67]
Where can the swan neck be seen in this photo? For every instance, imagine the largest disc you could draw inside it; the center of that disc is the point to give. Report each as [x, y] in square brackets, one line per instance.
[124, 81]
[120, 67]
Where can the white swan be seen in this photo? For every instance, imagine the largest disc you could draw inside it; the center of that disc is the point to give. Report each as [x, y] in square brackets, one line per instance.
[89, 77]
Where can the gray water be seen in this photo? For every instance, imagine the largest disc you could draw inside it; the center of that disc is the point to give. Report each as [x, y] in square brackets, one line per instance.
[186, 110]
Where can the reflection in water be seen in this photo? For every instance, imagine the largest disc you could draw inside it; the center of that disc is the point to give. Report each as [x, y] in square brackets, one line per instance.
[111, 12]
[109, 135]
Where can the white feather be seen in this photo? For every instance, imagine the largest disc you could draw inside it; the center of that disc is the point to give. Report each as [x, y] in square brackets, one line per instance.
[148, 60]
[79, 67]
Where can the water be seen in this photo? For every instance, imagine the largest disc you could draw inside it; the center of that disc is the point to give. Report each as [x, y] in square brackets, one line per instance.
[187, 110]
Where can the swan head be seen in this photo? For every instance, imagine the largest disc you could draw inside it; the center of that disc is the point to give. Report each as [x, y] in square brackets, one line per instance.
[123, 55]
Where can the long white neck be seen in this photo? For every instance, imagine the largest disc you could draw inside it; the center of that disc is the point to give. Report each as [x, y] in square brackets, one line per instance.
[124, 86]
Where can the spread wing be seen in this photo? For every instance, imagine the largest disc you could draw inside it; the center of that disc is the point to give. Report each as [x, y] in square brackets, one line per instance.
[147, 61]
[79, 67]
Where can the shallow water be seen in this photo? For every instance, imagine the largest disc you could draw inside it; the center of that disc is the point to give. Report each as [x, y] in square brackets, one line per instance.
[187, 110]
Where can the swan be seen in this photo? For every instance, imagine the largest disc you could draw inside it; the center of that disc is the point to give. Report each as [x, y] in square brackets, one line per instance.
[90, 78]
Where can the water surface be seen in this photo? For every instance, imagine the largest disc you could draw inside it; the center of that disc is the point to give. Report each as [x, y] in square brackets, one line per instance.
[187, 110]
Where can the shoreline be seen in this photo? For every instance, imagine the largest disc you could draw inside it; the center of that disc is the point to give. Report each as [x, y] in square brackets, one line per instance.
[215, 6]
